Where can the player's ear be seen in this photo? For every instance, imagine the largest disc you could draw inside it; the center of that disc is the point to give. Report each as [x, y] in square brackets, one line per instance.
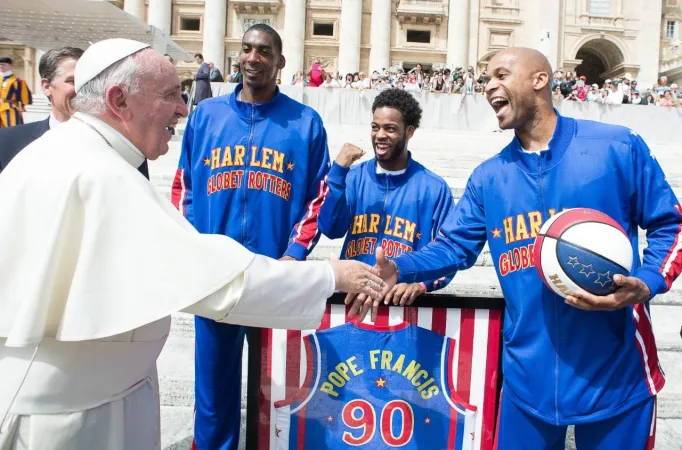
[281, 62]
[540, 81]
[409, 132]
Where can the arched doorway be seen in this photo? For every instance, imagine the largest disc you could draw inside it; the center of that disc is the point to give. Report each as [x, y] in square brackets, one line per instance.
[599, 56]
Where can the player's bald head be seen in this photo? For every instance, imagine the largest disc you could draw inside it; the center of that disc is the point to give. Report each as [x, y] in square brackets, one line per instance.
[523, 78]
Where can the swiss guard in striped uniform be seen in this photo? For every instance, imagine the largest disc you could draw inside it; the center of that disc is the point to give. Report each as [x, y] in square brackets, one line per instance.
[14, 95]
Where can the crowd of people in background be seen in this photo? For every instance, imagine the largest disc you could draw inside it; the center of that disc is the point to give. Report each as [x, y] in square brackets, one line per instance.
[566, 86]
[624, 90]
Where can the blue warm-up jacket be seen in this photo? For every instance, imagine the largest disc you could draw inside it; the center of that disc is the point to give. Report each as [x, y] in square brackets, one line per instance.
[561, 364]
[400, 213]
[255, 173]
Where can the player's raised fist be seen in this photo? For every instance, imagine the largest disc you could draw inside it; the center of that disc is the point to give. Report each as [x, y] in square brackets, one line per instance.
[349, 154]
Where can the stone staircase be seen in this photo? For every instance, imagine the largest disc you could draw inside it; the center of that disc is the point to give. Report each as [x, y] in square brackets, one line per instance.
[454, 162]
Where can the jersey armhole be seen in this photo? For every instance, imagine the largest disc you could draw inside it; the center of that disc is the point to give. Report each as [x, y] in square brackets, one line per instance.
[311, 375]
[448, 383]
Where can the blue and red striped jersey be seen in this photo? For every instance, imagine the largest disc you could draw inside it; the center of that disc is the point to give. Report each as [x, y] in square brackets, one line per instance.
[377, 387]
[255, 173]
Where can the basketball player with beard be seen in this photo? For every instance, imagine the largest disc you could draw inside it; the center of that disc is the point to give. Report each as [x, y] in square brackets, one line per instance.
[391, 200]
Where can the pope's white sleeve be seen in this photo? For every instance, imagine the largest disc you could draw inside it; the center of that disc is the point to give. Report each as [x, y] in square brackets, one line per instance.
[272, 294]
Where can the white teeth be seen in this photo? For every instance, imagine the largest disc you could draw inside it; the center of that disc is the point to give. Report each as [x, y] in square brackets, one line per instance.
[497, 100]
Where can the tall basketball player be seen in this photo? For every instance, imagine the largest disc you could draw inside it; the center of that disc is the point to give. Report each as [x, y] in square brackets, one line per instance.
[252, 167]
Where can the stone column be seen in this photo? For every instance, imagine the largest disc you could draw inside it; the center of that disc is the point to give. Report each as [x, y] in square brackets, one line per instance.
[349, 37]
[552, 35]
[380, 36]
[293, 39]
[135, 7]
[160, 15]
[215, 27]
[458, 34]
[36, 86]
[648, 44]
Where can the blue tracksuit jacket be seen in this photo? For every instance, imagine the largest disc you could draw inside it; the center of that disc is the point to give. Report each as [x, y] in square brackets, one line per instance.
[255, 173]
[400, 213]
[561, 364]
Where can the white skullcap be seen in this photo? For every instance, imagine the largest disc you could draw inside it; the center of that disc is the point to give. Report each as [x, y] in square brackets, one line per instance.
[101, 55]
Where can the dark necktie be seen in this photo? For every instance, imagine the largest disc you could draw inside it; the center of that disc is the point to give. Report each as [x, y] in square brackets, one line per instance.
[144, 170]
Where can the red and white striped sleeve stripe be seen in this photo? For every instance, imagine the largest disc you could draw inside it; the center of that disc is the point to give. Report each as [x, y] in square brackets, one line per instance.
[179, 191]
[307, 229]
[646, 344]
[672, 264]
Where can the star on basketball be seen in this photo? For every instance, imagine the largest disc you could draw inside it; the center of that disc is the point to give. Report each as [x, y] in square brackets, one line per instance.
[497, 233]
[381, 383]
[207, 161]
[277, 432]
[330, 419]
[587, 270]
[427, 420]
[605, 280]
[573, 261]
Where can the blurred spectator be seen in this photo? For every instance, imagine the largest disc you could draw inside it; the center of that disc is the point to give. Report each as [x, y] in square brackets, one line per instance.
[363, 82]
[557, 96]
[298, 79]
[236, 76]
[348, 82]
[215, 75]
[316, 74]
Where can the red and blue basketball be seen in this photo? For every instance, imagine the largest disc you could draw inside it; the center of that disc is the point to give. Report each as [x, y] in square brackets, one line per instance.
[582, 249]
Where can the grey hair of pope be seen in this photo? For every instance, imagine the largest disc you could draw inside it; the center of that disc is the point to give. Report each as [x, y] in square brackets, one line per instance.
[127, 73]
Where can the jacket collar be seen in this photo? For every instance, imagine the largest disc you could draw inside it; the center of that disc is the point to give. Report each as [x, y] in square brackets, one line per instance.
[249, 110]
[41, 128]
[116, 140]
[388, 180]
[561, 139]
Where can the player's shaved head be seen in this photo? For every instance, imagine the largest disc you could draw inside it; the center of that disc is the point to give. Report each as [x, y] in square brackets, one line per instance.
[520, 86]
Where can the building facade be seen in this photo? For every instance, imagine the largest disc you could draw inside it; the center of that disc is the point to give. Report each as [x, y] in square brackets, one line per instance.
[598, 38]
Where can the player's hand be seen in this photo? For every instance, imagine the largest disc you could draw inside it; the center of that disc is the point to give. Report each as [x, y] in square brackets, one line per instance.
[288, 258]
[361, 304]
[355, 277]
[349, 154]
[630, 291]
[405, 293]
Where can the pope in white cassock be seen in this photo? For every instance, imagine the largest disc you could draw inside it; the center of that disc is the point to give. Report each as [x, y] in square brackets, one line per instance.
[94, 259]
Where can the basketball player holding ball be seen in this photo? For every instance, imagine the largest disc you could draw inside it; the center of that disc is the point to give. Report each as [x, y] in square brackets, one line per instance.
[585, 360]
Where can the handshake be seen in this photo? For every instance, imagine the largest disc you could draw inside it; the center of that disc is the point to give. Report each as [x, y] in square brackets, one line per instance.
[367, 286]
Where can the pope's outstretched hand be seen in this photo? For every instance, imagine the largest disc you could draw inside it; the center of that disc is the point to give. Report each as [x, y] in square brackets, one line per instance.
[361, 303]
[355, 277]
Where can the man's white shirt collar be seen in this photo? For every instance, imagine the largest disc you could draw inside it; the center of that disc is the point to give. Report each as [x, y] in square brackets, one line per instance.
[53, 122]
[120, 143]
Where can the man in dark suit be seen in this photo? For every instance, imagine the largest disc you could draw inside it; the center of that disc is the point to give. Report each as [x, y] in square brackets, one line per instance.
[236, 74]
[56, 70]
[202, 79]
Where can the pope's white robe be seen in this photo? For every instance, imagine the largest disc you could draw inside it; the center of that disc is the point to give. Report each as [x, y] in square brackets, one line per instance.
[93, 261]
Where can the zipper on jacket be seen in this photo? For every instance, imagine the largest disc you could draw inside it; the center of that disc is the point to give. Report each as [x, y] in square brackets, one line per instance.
[383, 211]
[556, 312]
[246, 174]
